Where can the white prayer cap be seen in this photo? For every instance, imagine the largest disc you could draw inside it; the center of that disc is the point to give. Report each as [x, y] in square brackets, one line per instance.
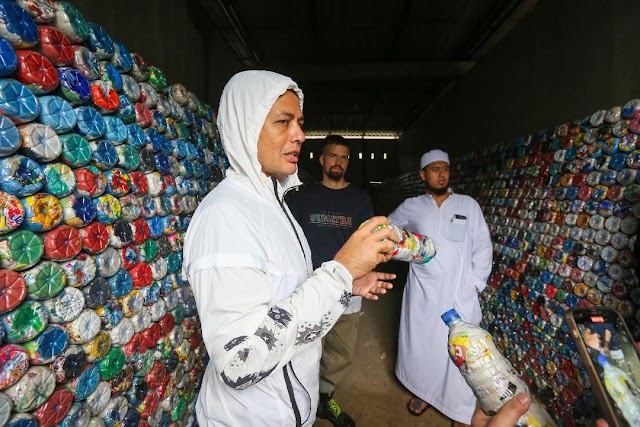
[433, 156]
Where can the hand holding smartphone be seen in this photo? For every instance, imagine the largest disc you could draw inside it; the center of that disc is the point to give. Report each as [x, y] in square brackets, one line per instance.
[611, 359]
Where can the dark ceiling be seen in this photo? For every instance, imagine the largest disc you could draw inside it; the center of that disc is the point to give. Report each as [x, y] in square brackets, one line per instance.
[366, 67]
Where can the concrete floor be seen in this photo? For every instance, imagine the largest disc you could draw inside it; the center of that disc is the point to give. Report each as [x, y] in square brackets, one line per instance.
[370, 393]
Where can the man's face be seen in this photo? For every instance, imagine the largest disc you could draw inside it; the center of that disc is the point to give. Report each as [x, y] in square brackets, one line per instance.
[334, 161]
[281, 137]
[436, 175]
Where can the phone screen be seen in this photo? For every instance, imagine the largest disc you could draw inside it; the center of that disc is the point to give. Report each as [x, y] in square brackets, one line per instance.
[614, 359]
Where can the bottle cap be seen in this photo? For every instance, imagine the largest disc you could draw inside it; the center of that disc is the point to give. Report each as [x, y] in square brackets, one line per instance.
[449, 316]
[602, 359]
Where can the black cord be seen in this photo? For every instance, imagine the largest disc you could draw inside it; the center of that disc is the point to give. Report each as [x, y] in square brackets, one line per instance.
[300, 382]
[287, 380]
[296, 411]
[284, 209]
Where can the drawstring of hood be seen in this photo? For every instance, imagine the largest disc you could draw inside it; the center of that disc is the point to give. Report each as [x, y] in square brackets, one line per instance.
[284, 209]
[287, 379]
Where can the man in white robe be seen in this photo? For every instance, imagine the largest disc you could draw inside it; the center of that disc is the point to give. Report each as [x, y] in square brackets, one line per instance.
[452, 279]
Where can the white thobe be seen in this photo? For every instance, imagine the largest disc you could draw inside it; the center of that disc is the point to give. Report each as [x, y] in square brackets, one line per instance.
[452, 279]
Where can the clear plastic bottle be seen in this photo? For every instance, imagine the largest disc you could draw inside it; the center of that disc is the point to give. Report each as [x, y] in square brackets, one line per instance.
[412, 247]
[622, 390]
[488, 373]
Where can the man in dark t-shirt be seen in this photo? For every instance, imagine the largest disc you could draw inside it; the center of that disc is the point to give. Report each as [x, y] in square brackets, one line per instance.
[329, 212]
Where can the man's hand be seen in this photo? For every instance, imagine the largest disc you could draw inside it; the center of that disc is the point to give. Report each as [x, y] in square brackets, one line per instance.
[507, 416]
[372, 284]
[367, 247]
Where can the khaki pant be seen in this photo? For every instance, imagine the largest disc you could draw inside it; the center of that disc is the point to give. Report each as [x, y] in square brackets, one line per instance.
[338, 347]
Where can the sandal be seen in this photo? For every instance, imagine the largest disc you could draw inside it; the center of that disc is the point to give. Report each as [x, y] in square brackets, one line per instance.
[417, 406]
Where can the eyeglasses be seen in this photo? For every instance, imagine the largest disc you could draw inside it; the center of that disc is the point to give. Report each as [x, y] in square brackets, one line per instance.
[332, 156]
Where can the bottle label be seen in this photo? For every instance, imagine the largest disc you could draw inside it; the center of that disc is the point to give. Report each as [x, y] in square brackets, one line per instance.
[458, 350]
[473, 356]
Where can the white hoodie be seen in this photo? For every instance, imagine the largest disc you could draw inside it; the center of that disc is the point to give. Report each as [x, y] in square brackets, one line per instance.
[259, 302]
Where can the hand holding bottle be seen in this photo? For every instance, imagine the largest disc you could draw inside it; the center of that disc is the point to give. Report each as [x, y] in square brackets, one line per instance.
[370, 245]
[507, 416]
[488, 373]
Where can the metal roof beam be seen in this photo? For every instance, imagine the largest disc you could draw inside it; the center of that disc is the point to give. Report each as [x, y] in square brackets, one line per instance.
[396, 71]
[226, 21]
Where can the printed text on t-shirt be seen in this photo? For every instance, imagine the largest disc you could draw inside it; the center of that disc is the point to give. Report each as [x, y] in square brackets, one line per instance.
[330, 220]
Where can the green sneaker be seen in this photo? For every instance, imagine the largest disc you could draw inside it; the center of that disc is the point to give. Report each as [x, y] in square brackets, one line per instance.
[329, 410]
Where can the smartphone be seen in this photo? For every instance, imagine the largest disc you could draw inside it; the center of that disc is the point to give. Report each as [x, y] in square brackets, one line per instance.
[611, 360]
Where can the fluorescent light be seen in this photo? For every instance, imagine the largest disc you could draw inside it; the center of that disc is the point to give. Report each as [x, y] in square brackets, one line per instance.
[360, 156]
[365, 135]
[311, 154]
[375, 182]
[384, 156]
[373, 156]
[393, 137]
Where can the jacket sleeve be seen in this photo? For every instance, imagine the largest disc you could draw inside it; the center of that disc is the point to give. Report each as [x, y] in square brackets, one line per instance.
[246, 337]
[481, 249]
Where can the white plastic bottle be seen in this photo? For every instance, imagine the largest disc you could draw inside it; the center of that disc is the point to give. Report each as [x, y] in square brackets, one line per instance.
[622, 390]
[488, 373]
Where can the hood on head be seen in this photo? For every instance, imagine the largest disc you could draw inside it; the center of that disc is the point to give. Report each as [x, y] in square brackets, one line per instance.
[245, 103]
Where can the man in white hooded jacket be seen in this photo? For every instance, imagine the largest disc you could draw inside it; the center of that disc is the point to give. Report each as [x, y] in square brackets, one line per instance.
[262, 308]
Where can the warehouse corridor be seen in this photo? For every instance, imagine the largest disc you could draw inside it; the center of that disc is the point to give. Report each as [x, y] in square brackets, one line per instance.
[370, 393]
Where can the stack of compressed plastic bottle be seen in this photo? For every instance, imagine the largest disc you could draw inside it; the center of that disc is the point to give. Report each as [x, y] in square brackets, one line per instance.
[102, 164]
[563, 206]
